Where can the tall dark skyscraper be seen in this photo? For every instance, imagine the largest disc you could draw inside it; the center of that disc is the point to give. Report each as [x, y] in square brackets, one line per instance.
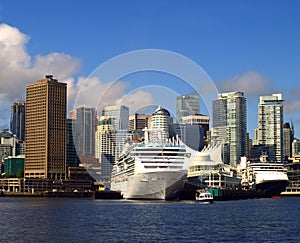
[46, 108]
[72, 157]
[288, 137]
[17, 119]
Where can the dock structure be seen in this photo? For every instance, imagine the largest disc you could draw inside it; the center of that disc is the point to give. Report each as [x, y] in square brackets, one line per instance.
[109, 195]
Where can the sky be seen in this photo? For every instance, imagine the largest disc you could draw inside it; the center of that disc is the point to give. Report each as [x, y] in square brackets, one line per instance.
[247, 46]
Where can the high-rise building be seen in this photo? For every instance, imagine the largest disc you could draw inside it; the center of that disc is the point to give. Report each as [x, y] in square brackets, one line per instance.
[73, 114]
[191, 134]
[255, 137]
[270, 123]
[288, 137]
[295, 147]
[187, 105]
[84, 131]
[105, 147]
[17, 119]
[72, 159]
[119, 116]
[197, 119]
[8, 144]
[46, 107]
[160, 125]
[120, 138]
[230, 116]
[103, 135]
[137, 122]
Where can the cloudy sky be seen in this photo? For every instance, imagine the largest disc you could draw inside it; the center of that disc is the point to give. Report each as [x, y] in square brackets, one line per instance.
[249, 46]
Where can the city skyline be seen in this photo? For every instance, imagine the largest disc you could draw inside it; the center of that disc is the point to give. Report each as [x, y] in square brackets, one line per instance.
[247, 47]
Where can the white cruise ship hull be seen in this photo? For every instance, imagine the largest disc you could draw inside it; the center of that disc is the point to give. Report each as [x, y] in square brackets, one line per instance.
[159, 185]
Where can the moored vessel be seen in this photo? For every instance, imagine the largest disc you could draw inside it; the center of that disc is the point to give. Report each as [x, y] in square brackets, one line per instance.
[151, 170]
[265, 177]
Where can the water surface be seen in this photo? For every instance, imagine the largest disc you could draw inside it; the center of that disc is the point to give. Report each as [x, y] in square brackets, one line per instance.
[85, 220]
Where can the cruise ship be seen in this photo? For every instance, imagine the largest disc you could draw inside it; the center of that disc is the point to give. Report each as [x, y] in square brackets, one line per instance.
[151, 170]
[263, 176]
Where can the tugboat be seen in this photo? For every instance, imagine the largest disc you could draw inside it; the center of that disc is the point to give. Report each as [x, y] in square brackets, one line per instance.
[204, 197]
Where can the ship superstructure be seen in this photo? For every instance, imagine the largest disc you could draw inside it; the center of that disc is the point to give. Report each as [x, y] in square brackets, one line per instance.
[151, 170]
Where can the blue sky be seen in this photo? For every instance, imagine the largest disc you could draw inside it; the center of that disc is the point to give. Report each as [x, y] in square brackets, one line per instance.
[249, 46]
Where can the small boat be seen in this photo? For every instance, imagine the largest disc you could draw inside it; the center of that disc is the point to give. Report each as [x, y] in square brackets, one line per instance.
[204, 197]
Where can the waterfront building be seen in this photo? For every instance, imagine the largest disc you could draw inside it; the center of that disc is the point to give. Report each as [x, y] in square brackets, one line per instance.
[17, 119]
[288, 137]
[160, 120]
[46, 107]
[14, 165]
[187, 105]
[270, 123]
[119, 115]
[230, 125]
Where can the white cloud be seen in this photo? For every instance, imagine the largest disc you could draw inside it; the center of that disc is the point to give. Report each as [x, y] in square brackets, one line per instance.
[17, 68]
[251, 83]
[137, 100]
[292, 101]
[91, 92]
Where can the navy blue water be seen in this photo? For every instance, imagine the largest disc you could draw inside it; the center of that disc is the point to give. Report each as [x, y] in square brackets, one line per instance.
[85, 220]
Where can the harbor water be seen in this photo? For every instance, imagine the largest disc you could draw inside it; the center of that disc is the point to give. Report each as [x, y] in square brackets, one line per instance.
[86, 220]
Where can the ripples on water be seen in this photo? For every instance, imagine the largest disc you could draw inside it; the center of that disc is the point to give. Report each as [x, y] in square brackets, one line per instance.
[84, 220]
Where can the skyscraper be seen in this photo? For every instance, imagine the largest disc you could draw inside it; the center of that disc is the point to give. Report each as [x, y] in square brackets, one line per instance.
[288, 137]
[187, 105]
[105, 147]
[72, 159]
[197, 119]
[84, 131]
[119, 116]
[46, 105]
[17, 119]
[160, 125]
[270, 123]
[230, 116]
[137, 122]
